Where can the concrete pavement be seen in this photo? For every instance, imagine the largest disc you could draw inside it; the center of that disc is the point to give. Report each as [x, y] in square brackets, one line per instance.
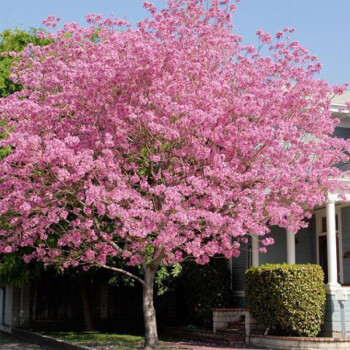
[8, 342]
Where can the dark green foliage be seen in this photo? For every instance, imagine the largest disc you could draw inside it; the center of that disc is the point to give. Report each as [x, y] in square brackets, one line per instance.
[14, 271]
[165, 277]
[13, 40]
[287, 299]
[202, 288]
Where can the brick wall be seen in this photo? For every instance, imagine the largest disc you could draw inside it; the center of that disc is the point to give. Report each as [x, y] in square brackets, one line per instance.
[221, 318]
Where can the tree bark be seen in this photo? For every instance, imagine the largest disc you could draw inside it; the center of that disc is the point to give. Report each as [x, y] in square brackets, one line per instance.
[149, 313]
[88, 320]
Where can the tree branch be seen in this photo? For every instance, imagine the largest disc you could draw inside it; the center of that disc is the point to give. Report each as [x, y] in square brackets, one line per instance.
[122, 272]
[98, 230]
[156, 261]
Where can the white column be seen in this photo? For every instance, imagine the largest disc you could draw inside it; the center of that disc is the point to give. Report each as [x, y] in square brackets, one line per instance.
[290, 247]
[255, 250]
[332, 247]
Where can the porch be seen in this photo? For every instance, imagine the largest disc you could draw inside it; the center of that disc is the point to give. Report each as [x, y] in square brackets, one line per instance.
[326, 241]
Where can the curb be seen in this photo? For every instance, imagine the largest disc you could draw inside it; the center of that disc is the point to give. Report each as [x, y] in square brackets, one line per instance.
[47, 341]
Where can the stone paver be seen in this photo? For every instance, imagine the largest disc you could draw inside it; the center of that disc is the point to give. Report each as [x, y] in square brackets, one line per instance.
[7, 342]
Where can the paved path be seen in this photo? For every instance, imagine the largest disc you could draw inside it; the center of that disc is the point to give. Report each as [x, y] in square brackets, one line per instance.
[202, 346]
[7, 342]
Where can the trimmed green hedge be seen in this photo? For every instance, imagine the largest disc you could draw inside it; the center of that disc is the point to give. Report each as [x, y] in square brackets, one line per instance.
[287, 299]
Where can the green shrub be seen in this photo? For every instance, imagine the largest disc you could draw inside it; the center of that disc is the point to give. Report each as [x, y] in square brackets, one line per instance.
[287, 299]
[200, 288]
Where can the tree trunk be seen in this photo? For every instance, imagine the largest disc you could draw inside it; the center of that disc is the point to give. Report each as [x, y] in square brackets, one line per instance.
[88, 320]
[149, 313]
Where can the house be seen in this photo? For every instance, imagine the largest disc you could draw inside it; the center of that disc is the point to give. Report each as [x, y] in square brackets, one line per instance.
[326, 241]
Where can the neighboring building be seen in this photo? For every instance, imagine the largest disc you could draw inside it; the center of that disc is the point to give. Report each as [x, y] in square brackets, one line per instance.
[13, 307]
[326, 241]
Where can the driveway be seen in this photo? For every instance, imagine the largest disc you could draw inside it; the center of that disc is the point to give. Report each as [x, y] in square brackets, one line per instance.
[8, 342]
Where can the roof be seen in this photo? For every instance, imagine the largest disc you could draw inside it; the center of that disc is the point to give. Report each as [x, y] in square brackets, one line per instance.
[340, 100]
[339, 108]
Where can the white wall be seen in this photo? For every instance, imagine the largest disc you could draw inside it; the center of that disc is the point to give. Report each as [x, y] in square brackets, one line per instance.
[6, 318]
[1, 304]
[8, 306]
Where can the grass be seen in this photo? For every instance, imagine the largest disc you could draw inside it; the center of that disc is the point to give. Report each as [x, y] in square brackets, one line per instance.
[108, 341]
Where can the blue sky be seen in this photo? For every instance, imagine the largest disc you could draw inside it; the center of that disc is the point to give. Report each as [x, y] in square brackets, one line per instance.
[323, 26]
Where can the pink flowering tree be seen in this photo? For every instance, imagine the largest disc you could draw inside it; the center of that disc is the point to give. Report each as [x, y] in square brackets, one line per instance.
[166, 142]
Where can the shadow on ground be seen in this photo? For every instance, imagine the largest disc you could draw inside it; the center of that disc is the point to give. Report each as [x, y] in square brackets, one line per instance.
[7, 342]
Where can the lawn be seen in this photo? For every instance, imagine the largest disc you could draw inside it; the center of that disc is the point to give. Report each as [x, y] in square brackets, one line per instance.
[110, 341]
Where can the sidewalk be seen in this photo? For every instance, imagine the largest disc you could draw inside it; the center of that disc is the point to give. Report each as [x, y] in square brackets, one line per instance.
[8, 342]
[202, 346]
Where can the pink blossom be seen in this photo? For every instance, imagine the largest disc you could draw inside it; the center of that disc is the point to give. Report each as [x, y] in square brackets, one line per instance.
[265, 38]
[262, 250]
[171, 137]
[279, 35]
[90, 255]
[8, 249]
[268, 241]
[339, 89]
[150, 7]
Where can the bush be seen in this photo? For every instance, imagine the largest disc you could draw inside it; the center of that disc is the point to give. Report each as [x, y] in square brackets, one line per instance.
[287, 299]
[200, 288]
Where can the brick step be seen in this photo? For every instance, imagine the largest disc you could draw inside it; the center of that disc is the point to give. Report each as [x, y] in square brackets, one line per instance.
[219, 338]
[231, 330]
[236, 323]
[208, 336]
[223, 340]
[231, 337]
[235, 341]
